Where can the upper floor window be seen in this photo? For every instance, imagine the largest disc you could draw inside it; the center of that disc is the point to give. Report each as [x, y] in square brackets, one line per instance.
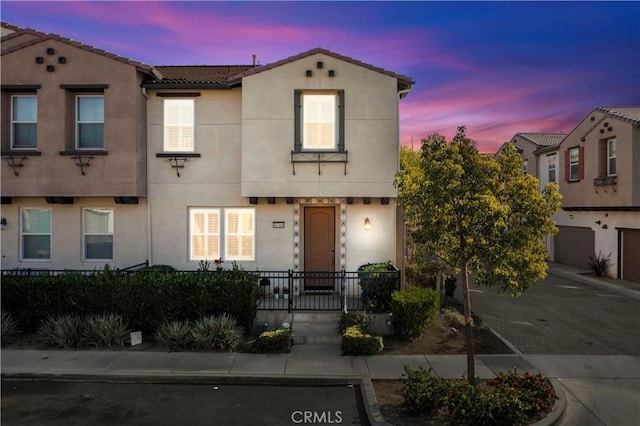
[35, 234]
[574, 164]
[179, 123]
[551, 161]
[319, 117]
[90, 122]
[98, 234]
[24, 121]
[611, 157]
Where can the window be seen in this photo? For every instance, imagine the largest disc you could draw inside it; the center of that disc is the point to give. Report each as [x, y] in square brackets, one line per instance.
[525, 164]
[98, 234]
[574, 164]
[35, 234]
[179, 125]
[551, 161]
[24, 121]
[611, 157]
[204, 225]
[319, 117]
[90, 122]
[239, 234]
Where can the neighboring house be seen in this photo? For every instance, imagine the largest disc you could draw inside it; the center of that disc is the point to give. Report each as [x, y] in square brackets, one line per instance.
[283, 166]
[600, 183]
[527, 144]
[74, 180]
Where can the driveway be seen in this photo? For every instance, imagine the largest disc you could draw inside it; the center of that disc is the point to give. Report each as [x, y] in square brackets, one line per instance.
[562, 316]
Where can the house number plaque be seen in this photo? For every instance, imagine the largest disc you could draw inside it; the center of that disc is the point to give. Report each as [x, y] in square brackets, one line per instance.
[278, 224]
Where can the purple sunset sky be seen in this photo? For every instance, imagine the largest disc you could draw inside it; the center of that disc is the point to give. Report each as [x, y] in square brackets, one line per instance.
[497, 67]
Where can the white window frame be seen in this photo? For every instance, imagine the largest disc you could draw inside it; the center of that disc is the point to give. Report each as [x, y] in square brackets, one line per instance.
[612, 156]
[525, 166]
[179, 147]
[78, 122]
[205, 233]
[14, 121]
[552, 160]
[246, 257]
[85, 234]
[23, 233]
[572, 163]
[307, 98]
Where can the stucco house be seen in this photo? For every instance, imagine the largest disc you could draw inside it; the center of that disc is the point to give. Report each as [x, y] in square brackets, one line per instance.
[284, 166]
[600, 183]
[74, 174]
[111, 161]
[528, 145]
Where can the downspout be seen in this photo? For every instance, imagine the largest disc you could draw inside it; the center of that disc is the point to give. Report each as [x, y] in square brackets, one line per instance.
[400, 260]
[146, 147]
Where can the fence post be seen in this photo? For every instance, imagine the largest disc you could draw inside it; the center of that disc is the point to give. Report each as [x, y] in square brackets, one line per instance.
[343, 286]
[290, 285]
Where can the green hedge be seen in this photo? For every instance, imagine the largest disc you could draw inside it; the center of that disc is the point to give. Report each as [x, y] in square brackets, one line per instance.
[355, 341]
[378, 281]
[413, 310]
[146, 299]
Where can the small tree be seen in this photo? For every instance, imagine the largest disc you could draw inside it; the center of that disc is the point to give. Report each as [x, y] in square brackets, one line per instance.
[477, 214]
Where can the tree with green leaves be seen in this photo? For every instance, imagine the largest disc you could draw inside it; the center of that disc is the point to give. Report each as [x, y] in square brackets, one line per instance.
[476, 214]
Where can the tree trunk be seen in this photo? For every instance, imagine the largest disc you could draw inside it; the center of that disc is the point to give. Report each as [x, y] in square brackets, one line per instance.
[468, 324]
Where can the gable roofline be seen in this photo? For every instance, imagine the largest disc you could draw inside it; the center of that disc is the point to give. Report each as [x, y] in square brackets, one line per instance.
[618, 113]
[40, 37]
[541, 139]
[404, 82]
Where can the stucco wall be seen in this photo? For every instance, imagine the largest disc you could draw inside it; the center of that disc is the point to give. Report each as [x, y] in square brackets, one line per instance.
[371, 131]
[130, 234]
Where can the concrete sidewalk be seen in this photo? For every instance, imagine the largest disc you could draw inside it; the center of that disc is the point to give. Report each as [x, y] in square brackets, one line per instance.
[601, 390]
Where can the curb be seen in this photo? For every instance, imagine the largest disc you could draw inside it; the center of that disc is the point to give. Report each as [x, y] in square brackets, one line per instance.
[634, 294]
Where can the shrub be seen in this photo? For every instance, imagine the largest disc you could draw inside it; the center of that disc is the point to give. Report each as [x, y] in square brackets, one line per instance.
[347, 319]
[535, 392]
[216, 332]
[378, 281]
[9, 327]
[454, 317]
[105, 330]
[599, 264]
[421, 274]
[145, 298]
[271, 342]
[67, 332]
[413, 310]
[357, 342]
[423, 392]
[174, 335]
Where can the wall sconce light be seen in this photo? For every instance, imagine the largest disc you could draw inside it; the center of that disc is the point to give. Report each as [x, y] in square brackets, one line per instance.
[367, 224]
[598, 222]
[3, 223]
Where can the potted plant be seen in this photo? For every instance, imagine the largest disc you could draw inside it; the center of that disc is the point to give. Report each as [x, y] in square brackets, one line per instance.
[285, 292]
[218, 263]
[276, 292]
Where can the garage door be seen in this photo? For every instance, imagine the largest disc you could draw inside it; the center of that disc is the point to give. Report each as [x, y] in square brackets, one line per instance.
[573, 245]
[630, 258]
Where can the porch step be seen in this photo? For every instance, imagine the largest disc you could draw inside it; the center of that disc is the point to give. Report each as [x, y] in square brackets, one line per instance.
[315, 328]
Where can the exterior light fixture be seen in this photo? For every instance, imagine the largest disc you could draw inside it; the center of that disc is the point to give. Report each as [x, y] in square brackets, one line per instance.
[367, 224]
[3, 223]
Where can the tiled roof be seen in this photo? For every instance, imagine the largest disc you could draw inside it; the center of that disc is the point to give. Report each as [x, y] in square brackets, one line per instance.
[543, 139]
[630, 114]
[39, 37]
[404, 82]
[199, 73]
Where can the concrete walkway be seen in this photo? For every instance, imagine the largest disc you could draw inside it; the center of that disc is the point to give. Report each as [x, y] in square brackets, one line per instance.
[599, 390]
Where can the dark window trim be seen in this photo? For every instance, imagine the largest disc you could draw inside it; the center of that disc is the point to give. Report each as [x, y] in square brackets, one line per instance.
[178, 94]
[32, 88]
[84, 152]
[297, 104]
[27, 152]
[178, 154]
[84, 87]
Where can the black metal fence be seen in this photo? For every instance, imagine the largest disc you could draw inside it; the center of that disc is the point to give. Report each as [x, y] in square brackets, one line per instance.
[291, 290]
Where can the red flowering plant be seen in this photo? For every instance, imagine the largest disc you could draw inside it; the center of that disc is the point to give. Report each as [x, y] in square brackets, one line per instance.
[535, 392]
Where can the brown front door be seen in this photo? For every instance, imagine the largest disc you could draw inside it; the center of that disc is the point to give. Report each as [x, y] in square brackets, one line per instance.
[319, 247]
